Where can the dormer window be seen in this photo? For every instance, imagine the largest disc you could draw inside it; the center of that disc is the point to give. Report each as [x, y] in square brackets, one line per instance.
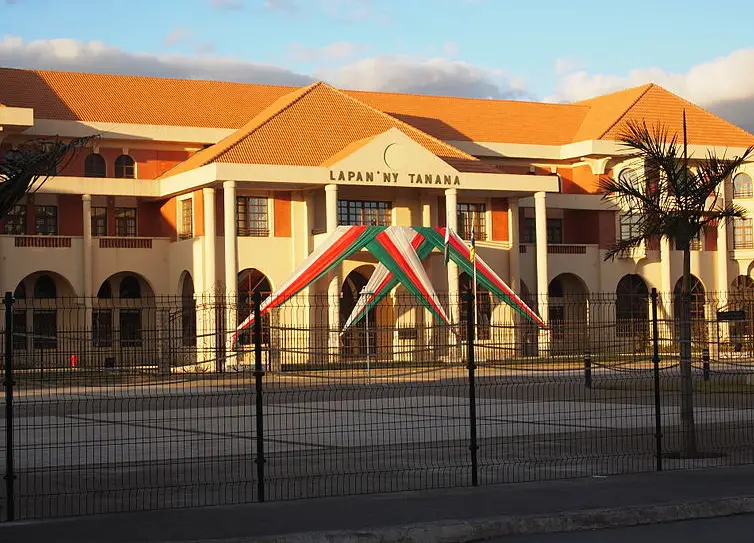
[125, 167]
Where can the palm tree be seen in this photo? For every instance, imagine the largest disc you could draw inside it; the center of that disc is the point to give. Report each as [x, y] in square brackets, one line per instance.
[668, 198]
[25, 169]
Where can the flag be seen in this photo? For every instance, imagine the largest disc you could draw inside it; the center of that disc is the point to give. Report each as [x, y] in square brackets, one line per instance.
[446, 256]
[472, 250]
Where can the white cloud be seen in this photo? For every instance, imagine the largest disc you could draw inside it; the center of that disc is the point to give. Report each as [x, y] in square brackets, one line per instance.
[178, 35]
[334, 51]
[66, 54]
[427, 76]
[567, 65]
[392, 74]
[450, 49]
[724, 85]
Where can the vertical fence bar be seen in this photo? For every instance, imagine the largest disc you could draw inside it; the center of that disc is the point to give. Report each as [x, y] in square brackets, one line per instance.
[8, 383]
[473, 447]
[258, 374]
[656, 369]
[588, 370]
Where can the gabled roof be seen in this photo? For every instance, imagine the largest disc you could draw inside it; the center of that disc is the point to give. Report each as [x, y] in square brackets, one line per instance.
[609, 114]
[73, 96]
[216, 104]
[475, 119]
[310, 126]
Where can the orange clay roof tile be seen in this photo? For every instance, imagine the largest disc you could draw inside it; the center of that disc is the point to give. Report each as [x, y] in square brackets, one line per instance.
[310, 126]
[659, 106]
[72, 96]
[474, 119]
[216, 104]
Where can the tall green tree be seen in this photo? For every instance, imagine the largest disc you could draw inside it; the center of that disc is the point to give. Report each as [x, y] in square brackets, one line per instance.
[25, 169]
[675, 196]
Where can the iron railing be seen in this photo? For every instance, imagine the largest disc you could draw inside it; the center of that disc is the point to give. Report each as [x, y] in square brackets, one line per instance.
[122, 405]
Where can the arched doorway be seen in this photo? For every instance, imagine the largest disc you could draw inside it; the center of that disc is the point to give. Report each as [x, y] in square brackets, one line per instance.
[741, 298]
[39, 312]
[188, 311]
[251, 281]
[698, 320]
[360, 339]
[483, 308]
[632, 311]
[124, 321]
[568, 310]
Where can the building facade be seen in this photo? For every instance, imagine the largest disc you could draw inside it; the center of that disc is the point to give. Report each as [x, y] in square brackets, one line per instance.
[200, 189]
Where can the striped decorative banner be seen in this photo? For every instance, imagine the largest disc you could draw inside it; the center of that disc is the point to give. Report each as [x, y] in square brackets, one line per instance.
[383, 281]
[343, 243]
[394, 249]
[460, 253]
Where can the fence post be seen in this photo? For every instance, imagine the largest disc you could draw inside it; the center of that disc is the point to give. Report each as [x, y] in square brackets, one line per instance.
[656, 368]
[588, 370]
[10, 474]
[470, 309]
[258, 374]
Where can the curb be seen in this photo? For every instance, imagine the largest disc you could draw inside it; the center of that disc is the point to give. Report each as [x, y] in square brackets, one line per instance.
[482, 529]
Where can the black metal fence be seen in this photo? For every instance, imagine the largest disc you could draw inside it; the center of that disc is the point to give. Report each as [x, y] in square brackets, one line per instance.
[143, 405]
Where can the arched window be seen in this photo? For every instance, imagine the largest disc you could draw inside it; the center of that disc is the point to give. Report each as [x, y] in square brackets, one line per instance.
[130, 287]
[102, 317]
[628, 176]
[44, 287]
[94, 166]
[250, 281]
[742, 186]
[125, 167]
[631, 308]
[130, 316]
[45, 319]
[483, 308]
[188, 312]
[20, 335]
[741, 298]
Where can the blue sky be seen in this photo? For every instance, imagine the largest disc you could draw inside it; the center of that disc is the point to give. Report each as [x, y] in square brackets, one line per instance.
[548, 49]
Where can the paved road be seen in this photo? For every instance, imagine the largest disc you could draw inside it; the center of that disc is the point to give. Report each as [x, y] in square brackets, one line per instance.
[128, 449]
[738, 529]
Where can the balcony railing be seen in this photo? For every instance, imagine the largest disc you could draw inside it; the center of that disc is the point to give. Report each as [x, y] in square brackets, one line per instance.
[557, 249]
[125, 243]
[52, 242]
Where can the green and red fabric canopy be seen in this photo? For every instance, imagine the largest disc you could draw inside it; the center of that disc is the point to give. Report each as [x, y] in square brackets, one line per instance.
[399, 251]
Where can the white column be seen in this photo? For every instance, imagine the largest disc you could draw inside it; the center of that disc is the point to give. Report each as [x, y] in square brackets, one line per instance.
[210, 239]
[543, 300]
[231, 255]
[451, 221]
[723, 281]
[86, 200]
[333, 288]
[209, 314]
[231, 239]
[540, 220]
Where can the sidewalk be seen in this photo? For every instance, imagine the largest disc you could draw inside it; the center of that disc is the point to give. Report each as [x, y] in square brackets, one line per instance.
[467, 514]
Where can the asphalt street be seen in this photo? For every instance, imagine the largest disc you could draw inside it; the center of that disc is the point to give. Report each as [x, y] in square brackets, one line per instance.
[736, 529]
[133, 448]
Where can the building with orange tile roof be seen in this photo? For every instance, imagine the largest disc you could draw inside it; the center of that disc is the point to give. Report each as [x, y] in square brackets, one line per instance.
[198, 187]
